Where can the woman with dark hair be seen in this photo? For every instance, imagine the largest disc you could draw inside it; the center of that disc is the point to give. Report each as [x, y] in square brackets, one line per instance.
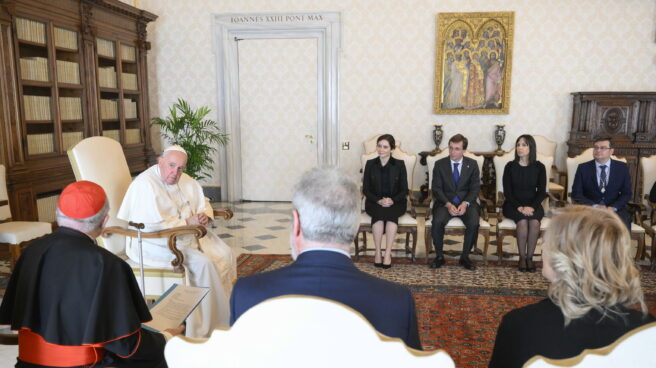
[385, 187]
[524, 188]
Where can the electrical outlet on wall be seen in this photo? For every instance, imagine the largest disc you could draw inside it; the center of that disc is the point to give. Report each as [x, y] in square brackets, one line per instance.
[346, 146]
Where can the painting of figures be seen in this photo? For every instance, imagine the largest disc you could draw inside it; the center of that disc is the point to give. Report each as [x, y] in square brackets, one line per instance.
[473, 63]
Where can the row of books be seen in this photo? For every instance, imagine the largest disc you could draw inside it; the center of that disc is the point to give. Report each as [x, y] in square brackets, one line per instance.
[129, 108]
[37, 107]
[131, 135]
[34, 68]
[65, 38]
[31, 30]
[70, 108]
[68, 72]
[106, 48]
[108, 109]
[128, 53]
[107, 76]
[129, 81]
[43, 142]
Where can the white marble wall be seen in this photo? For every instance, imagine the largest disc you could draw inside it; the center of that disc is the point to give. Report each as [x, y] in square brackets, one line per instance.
[388, 54]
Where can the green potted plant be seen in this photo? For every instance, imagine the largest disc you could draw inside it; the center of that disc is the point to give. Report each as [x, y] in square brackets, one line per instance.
[199, 136]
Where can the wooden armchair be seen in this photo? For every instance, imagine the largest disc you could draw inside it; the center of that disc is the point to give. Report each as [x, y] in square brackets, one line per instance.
[505, 226]
[16, 234]
[455, 226]
[407, 223]
[637, 231]
[89, 159]
[647, 218]
[556, 179]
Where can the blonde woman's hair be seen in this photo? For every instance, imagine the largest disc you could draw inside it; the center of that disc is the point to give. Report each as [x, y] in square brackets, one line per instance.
[588, 250]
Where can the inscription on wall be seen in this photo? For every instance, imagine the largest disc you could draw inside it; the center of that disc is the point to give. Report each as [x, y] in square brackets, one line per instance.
[276, 18]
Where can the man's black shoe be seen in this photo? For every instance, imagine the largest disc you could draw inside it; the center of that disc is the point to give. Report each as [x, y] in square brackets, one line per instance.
[467, 263]
[437, 262]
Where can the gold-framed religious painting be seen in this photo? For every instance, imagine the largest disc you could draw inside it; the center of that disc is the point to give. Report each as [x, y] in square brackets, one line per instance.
[473, 63]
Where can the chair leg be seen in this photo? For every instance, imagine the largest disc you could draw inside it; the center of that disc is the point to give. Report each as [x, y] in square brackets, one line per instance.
[641, 247]
[486, 236]
[414, 244]
[364, 241]
[15, 252]
[407, 243]
[428, 239]
[499, 247]
[356, 241]
[653, 253]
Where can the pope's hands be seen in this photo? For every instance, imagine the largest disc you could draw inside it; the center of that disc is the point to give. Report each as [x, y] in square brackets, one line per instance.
[198, 219]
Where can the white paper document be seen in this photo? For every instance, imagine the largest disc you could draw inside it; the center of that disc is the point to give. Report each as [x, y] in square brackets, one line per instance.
[174, 306]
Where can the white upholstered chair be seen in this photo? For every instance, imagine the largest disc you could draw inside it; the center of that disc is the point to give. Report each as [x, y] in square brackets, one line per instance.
[631, 350]
[506, 226]
[408, 222]
[306, 332]
[637, 231]
[16, 234]
[648, 168]
[548, 148]
[369, 146]
[101, 160]
[455, 226]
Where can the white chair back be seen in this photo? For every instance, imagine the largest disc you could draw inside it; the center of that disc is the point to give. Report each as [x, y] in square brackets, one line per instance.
[306, 331]
[101, 160]
[648, 167]
[631, 350]
[370, 144]
[410, 163]
[573, 163]
[545, 146]
[5, 211]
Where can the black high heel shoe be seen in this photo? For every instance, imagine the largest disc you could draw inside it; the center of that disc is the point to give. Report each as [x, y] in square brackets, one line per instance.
[530, 266]
[387, 266]
[379, 265]
[522, 264]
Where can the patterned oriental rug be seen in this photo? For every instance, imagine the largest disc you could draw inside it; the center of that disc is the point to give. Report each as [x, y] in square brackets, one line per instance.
[458, 310]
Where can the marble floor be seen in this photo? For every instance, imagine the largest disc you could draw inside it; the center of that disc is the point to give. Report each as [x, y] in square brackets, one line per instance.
[263, 228]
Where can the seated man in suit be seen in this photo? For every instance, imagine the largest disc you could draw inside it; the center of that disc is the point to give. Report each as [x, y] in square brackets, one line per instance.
[603, 182]
[456, 183]
[325, 220]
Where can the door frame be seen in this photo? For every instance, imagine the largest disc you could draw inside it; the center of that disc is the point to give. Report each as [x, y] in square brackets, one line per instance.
[229, 29]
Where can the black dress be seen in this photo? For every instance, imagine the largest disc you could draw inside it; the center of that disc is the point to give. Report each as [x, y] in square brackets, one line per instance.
[524, 186]
[539, 329]
[385, 181]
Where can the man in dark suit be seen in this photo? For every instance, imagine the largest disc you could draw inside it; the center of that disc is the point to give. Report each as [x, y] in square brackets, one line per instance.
[603, 182]
[325, 221]
[455, 186]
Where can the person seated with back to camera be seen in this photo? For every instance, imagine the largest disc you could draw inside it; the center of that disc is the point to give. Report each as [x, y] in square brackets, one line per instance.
[385, 187]
[594, 282]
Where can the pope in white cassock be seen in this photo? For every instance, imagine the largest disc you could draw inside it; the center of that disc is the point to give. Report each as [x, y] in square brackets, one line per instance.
[163, 197]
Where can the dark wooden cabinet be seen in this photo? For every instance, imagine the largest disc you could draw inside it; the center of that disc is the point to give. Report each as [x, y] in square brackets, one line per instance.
[629, 118]
[69, 69]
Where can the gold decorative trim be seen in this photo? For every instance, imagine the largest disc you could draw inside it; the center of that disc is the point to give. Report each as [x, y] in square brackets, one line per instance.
[449, 26]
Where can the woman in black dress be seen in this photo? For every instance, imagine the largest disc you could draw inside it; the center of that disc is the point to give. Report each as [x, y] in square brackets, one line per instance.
[385, 188]
[594, 283]
[524, 189]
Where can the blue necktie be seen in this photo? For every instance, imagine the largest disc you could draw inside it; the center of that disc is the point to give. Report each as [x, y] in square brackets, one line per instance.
[456, 177]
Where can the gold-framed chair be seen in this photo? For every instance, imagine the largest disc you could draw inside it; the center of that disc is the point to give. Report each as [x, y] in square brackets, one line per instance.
[506, 226]
[102, 161]
[407, 224]
[637, 231]
[648, 221]
[455, 226]
[548, 148]
[16, 234]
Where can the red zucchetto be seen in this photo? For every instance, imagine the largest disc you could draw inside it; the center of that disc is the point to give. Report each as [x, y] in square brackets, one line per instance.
[82, 199]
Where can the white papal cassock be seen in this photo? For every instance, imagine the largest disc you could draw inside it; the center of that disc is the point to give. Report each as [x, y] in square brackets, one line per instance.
[208, 262]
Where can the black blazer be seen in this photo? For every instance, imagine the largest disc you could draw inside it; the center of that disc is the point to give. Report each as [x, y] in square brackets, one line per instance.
[389, 307]
[371, 186]
[444, 188]
[539, 329]
[585, 189]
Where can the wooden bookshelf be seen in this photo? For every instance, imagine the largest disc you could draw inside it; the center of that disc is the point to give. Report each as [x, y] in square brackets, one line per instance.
[64, 60]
